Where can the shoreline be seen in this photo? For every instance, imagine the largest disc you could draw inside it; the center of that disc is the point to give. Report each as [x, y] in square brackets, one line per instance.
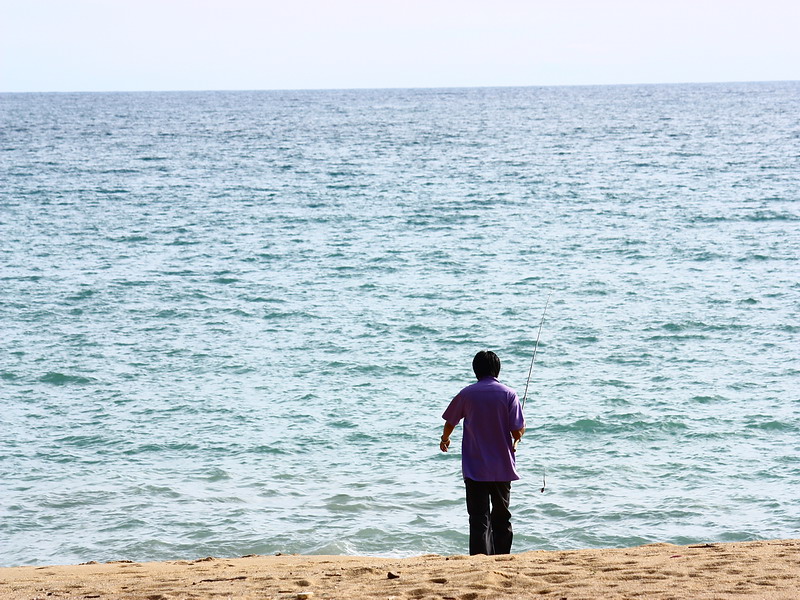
[763, 569]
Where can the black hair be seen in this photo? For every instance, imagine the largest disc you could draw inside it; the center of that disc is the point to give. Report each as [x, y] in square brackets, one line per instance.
[486, 364]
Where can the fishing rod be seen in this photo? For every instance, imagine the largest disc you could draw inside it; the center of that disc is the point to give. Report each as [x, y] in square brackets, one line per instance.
[530, 370]
[535, 348]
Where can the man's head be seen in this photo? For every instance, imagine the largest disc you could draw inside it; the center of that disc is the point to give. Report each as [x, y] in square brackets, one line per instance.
[486, 364]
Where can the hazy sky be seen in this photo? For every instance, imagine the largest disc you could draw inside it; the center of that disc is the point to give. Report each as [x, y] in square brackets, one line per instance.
[66, 45]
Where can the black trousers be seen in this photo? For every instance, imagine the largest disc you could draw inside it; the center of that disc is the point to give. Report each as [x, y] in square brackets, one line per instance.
[489, 518]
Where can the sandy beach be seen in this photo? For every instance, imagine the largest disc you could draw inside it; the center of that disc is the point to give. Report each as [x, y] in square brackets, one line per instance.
[763, 569]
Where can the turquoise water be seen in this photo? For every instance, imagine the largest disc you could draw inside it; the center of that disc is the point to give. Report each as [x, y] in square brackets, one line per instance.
[229, 322]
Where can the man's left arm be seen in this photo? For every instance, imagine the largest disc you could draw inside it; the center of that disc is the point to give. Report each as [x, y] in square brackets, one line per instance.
[517, 435]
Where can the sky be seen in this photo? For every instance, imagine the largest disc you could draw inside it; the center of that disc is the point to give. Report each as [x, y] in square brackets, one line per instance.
[121, 45]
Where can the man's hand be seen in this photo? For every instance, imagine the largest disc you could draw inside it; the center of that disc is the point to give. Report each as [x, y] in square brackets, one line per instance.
[444, 443]
[517, 435]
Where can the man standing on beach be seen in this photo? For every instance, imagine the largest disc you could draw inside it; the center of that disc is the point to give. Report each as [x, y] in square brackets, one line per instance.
[493, 423]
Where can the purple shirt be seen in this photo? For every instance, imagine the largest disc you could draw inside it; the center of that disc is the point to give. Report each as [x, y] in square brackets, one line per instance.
[491, 411]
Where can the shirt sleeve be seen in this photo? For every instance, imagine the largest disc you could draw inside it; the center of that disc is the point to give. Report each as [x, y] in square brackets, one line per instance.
[455, 410]
[516, 419]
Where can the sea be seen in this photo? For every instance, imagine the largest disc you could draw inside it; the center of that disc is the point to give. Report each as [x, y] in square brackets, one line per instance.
[230, 321]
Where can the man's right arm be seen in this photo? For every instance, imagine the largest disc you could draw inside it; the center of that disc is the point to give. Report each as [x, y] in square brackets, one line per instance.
[444, 443]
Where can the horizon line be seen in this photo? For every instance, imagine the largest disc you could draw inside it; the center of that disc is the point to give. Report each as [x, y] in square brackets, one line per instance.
[389, 88]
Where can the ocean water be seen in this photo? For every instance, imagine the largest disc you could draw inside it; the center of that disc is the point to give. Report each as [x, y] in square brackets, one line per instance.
[230, 322]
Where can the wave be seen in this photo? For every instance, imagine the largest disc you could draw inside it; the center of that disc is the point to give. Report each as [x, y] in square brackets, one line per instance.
[82, 295]
[631, 425]
[773, 425]
[129, 238]
[55, 378]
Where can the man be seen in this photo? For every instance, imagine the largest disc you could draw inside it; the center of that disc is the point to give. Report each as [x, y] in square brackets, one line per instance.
[493, 424]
